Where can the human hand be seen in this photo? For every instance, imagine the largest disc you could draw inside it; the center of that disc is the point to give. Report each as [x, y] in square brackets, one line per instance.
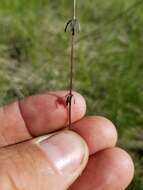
[30, 161]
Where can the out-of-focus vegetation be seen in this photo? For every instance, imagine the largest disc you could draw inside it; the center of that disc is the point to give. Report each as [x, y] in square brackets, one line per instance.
[109, 61]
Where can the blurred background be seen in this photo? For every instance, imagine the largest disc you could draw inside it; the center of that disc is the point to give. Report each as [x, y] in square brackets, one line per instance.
[34, 57]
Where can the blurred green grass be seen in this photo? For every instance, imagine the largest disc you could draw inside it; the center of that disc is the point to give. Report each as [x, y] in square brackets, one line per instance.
[109, 62]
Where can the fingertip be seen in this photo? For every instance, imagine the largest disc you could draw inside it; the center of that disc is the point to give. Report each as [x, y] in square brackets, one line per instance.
[121, 165]
[126, 163]
[79, 107]
[109, 129]
[99, 132]
[110, 168]
[78, 104]
[47, 112]
[67, 154]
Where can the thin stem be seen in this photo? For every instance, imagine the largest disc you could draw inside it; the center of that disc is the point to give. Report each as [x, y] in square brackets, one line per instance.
[71, 78]
[74, 9]
[71, 63]
[72, 49]
[72, 26]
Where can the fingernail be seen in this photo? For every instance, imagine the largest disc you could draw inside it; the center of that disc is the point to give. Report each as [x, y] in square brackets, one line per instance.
[65, 151]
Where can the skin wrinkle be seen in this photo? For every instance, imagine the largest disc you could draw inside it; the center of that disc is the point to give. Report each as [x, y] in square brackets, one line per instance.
[2, 136]
[12, 125]
[13, 184]
[14, 164]
[20, 166]
[33, 164]
[22, 116]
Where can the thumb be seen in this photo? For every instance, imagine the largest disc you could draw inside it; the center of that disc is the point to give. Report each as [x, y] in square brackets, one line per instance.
[50, 162]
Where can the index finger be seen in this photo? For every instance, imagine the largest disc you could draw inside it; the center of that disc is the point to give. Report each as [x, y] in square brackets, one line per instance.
[37, 115]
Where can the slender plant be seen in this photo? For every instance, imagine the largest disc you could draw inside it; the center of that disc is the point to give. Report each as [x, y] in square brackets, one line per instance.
[73, 27]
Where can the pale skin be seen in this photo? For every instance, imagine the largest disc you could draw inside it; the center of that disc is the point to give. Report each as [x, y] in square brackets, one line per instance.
[85, 159]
